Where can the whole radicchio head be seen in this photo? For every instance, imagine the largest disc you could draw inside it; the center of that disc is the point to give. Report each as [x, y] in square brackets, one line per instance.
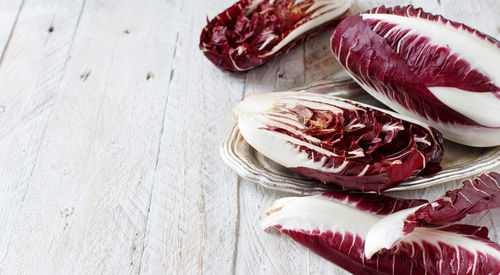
[427, 67]
[251, 32]
[338, 141]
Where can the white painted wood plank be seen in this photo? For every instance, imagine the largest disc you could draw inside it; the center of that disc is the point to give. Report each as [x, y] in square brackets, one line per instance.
[427, 5]
[192, 223]
[9, 13]
[320, 64]
[86, 208]
[483, 15]
[30, 72]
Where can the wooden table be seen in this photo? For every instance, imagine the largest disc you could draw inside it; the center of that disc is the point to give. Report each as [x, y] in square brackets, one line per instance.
[111, 121]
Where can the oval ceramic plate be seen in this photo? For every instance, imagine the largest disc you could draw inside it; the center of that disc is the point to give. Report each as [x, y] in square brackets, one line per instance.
[459, 161]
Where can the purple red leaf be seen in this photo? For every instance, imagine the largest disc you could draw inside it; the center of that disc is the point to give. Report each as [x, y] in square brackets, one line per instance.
[336, 225]
[476, 195]
[424, 66]
[479, 194]
[250, 33]
[337, 141]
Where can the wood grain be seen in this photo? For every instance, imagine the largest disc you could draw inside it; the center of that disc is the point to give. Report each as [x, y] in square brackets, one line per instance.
[86, 206]
[194, 211]
[9, 15]
[33, 60]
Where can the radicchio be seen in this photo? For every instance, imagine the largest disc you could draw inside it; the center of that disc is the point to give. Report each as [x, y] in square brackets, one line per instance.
[335, 140]
[441, 72]
[251, 32]
[336, 225]
[479, 194]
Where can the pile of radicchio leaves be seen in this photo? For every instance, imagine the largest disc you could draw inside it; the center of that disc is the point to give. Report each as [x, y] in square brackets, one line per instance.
[443, 79]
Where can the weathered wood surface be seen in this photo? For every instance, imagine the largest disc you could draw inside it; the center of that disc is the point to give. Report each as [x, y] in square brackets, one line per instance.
[111, 123]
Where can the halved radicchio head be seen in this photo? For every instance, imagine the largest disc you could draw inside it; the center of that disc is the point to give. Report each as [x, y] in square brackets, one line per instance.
[427, 67]
[338, 141]
[339, 227]
[251, 32]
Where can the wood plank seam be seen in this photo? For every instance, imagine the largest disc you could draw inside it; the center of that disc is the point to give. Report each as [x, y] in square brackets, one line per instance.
[238, 183]
[11, 32]
[74, 33]
[53, 110]
[146, 234]
[43, 108]
[60, 80]
[36, 112]
[237, 229]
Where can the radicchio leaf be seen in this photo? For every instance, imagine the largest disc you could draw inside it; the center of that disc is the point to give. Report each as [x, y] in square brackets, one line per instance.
[251, 32]
[441, 72]
[335, 226]
[338, 141]
[476, 195]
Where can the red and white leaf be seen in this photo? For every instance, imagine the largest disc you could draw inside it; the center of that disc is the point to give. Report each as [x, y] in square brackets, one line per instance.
[339, 141]
[427, 67]
[335, 226]
[476, 195]
[251, 32]
[479, 194]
